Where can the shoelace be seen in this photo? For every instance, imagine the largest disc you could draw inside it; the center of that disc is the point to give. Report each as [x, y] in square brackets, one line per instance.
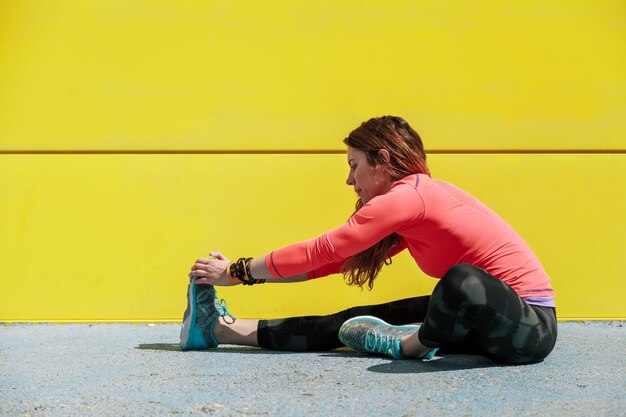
[384, 344]
[222, 308]
[377, 342]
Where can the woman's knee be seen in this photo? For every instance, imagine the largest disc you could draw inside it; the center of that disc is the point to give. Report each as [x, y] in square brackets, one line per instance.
[460, 272]
[466, 281]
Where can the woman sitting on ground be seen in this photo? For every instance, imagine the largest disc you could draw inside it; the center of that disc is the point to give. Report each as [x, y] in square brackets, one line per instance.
[493, 296]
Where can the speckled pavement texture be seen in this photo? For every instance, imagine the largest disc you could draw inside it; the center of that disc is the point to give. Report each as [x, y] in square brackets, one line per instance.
[138, 370]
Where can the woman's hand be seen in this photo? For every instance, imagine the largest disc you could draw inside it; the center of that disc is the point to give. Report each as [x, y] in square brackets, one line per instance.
[211, 270]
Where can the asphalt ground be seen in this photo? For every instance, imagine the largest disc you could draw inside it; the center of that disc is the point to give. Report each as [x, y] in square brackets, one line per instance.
[138, 370]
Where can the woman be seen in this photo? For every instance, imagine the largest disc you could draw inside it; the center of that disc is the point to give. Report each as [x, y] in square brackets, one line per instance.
[493, 297]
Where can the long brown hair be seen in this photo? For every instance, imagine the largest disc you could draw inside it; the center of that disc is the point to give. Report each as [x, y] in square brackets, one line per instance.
[407, 157]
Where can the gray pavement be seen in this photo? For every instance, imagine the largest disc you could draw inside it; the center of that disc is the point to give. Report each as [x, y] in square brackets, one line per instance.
[138, 370]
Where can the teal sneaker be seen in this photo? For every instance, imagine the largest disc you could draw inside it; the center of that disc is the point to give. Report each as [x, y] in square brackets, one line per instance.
[368, 334]
[203, 311]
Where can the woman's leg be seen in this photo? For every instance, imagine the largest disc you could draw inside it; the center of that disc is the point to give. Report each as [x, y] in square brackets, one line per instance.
[236, 331]
[472, 308]
[319, 333]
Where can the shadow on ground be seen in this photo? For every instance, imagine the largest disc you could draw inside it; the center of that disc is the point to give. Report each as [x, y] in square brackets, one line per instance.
[452, 362]
[175, 347]
[172, 347]
[438, 364]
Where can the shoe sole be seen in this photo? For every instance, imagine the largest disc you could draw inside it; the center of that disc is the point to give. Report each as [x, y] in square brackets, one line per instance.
[378, 321]
[191, 317]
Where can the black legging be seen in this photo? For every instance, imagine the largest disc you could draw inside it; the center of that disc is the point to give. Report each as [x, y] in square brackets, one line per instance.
[470, 311]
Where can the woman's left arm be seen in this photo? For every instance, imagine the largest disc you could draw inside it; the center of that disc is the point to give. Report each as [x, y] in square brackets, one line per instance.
[213, 271]
[379, 218]
[383, 215]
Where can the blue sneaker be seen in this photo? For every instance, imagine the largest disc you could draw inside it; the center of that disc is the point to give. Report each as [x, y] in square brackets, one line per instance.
[368, 334]
[203, 311]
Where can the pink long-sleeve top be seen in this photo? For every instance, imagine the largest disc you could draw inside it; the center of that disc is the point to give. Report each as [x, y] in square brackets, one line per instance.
[439, 223]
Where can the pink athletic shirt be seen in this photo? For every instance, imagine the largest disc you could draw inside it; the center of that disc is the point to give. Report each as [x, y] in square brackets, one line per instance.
[439, 223]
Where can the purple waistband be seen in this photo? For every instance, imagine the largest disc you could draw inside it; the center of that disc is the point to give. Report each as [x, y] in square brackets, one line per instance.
[540, 301]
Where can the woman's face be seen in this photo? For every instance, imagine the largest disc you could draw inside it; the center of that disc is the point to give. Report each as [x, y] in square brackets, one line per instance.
[368, 180]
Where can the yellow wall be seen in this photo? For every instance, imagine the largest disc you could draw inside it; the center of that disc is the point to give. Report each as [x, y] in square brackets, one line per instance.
[126, 127]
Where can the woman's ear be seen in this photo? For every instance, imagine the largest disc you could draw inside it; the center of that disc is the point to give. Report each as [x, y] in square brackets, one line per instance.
[383, 155]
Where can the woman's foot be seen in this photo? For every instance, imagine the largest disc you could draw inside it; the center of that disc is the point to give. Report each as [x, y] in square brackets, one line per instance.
[370, 334]
[202, 313]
